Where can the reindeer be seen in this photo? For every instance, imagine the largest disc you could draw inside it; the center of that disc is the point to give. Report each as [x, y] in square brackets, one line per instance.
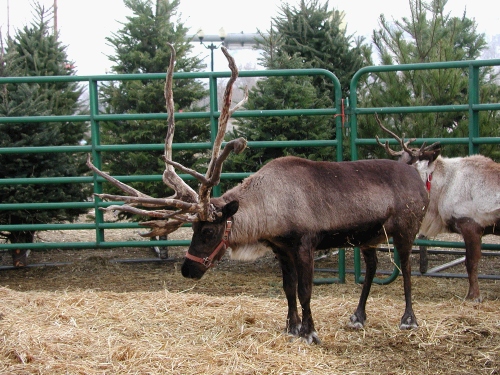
[464, 198]
[291, 206]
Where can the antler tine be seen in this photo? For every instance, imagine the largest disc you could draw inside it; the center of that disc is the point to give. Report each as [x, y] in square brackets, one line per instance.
[389, 151]
[401, 141]
[431, 147]
[405, 145]
[387, 130]
[150, 202]
[225, 112]
[238, 145]
[386, 145]
[120, 185]
[182, 190]
[160, 214]
[161, 227]
[135, 197]
[185, 198]
[243, 101]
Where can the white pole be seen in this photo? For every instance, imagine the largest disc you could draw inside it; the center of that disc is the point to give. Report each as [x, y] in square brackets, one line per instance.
[8, 19]
[55, 18]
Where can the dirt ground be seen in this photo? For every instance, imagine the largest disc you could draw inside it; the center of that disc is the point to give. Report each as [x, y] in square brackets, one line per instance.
[102, 274]
[151, 272]
[139, 269]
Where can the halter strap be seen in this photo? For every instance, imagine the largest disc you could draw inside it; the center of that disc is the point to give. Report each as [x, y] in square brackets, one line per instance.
[223, 244]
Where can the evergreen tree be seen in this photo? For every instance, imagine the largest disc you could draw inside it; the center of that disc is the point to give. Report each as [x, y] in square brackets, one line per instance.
[319, 35]
[429, 35]
[141, 47]
[35, 51]
[282, 92]
[308, 36]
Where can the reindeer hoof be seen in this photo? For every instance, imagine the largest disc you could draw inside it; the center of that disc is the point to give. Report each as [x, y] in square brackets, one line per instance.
[404, 326]
[474, 298]
[293, 331]
[355, 322]
[311, 338]
[408, 323]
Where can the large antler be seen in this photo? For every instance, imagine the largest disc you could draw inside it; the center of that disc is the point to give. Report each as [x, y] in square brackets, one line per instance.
[188, 205]
[401, 141]
[412, 153]
[212, 177]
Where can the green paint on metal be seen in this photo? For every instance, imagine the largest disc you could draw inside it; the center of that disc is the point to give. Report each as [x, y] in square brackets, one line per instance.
[96, 149]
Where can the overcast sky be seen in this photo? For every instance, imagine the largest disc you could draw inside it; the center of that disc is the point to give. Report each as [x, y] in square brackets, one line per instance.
[84, 25]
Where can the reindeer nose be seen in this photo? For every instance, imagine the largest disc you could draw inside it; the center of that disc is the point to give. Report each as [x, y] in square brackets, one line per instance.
[190, 271]
[185, 270]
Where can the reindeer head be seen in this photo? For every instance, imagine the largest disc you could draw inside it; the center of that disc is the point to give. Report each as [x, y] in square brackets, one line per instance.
[422, 158]
[185, 206]
[209, 242]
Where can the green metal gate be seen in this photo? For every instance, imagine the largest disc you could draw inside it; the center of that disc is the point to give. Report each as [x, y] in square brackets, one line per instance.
[474, 139]
[96, 149]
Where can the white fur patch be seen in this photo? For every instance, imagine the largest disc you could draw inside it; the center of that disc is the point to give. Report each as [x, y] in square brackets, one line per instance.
[248, 252]
[423, 168]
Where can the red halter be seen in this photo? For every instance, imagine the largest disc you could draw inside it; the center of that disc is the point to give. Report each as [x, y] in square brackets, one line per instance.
[207, 261]
[428, 182]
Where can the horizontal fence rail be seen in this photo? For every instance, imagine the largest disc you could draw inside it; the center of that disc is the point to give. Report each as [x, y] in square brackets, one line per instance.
[473, 107]
[96, 149]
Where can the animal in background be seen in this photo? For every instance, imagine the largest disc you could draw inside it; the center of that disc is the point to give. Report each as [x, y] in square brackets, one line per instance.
[464, 197]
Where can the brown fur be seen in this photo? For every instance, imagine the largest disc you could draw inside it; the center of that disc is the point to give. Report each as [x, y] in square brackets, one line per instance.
[294, 206]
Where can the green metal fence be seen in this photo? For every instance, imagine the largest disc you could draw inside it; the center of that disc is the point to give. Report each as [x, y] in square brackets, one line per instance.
[96, 149]
[474, 139]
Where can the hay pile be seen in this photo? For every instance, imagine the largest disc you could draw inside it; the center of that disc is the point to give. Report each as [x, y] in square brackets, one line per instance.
[158, 332]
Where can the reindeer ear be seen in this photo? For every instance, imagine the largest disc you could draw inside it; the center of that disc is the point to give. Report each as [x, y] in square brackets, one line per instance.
[230, 209]
[435, 154]
[431, 152]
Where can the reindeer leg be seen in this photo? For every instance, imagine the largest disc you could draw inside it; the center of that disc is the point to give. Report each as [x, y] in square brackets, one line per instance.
[358, 319]
[424, 259]
[305, 269]
[408, 321]
[472, 233]
[289, 274]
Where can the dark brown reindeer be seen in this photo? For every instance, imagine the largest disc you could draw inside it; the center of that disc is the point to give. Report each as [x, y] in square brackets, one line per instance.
[464, 198]
[292, 207]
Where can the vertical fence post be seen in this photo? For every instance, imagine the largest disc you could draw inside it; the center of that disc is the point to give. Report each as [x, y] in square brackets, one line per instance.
[96, 157]
[212, 86]
[339, 127]
[473, 113]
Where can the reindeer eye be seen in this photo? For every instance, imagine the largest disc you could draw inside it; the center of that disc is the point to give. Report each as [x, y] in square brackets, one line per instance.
[207, 233]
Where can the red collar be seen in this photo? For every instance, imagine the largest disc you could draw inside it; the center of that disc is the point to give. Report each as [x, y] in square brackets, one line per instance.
[428, 182]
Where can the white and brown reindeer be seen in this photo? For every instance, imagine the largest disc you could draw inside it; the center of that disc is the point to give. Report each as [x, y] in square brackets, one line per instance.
[464, 198]
[291, 206]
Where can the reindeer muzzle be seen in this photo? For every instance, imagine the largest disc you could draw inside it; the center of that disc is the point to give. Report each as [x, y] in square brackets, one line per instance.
[208, 261]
